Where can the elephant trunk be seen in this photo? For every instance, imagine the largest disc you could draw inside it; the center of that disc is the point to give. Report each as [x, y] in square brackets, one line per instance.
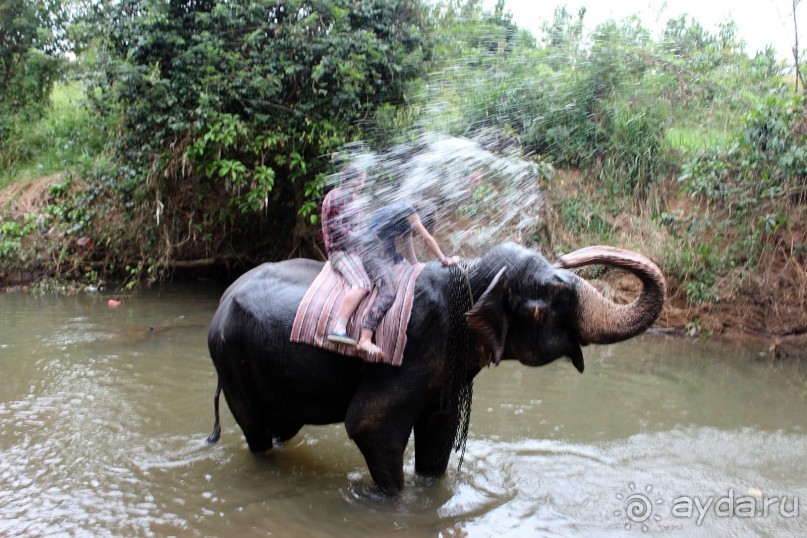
[601, 321]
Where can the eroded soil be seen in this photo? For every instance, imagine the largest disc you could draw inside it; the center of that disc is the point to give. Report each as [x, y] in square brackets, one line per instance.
[767, 305]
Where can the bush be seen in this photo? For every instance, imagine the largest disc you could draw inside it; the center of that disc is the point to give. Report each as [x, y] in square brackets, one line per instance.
[67, 137]
[228, 109]
[28, 67]
[578, 108]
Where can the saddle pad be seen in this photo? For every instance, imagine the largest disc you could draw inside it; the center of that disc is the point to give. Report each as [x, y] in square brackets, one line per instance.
[320, 305]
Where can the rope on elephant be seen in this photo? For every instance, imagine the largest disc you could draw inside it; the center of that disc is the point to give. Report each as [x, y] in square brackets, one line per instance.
[458, 391]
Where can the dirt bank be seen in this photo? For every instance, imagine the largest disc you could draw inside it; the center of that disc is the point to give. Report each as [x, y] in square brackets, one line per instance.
[778, 326]
[767, 304]
[764, 301]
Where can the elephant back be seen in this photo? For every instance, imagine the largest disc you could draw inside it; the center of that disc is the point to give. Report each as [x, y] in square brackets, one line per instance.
[269, 293]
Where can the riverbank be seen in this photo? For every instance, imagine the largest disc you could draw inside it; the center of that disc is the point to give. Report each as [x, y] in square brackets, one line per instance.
[766, 303]
[763, 300]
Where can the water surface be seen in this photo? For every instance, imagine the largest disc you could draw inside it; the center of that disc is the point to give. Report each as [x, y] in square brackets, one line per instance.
[104, 413]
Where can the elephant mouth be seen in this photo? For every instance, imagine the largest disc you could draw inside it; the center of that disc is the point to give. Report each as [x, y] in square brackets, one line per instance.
[569, 349]
[576, 356]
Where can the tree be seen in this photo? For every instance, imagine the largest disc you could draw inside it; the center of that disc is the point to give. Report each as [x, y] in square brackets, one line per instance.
[228, 107]
[18, 26]
[796, 59]
[27, 56]
[563, 35]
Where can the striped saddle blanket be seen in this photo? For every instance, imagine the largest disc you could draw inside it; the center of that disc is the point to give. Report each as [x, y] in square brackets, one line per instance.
[317, 314]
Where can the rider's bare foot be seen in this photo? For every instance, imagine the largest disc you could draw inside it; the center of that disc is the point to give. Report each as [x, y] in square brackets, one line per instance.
[370, 350]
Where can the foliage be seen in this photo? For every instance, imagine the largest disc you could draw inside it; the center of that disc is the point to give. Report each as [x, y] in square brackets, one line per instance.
[767, 162]
[11, 234]
[575, 106]
[56, 214]
[747, 190]
[629, 110]
[580, 215]
[28, 63]
[67, 138]
[227, 108]
[223, 119]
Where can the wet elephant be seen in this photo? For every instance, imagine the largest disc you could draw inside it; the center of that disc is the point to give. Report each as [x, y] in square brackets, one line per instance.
[510, 304]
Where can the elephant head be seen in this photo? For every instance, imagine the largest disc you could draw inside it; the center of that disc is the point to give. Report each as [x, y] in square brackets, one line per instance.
[536, 312]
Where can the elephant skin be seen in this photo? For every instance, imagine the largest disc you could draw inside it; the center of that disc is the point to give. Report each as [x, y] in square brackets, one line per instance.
[510, 304]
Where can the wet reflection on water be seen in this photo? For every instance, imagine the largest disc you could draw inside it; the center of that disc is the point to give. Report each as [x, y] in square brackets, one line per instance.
[105, 411]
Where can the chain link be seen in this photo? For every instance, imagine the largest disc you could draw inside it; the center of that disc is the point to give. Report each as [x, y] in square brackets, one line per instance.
[458, 391]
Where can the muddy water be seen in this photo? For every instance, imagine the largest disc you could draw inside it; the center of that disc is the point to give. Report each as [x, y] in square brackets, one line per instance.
[104, 412]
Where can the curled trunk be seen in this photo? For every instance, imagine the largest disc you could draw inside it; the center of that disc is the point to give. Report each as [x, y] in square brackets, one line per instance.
[601, 321]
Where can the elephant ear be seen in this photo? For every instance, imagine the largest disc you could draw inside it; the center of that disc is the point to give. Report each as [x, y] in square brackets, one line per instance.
[488, 319]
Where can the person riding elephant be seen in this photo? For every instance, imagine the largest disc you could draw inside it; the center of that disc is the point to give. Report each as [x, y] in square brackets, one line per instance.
[399, 220]
[509, 304]
[342, 225]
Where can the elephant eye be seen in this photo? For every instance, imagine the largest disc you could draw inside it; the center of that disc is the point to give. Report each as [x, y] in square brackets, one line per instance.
[535, 310]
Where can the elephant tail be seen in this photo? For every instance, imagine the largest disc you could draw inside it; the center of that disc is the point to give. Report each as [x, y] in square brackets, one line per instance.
[214, 437]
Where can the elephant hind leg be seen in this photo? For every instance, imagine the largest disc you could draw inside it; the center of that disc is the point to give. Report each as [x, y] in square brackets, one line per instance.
[262, 438]
[259, 443]
[256, 431]
[282, 431]
[250, 415]
[250, 405]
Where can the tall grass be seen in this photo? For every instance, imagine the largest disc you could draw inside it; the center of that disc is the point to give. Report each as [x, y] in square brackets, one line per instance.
[68, 137]
[691, 140]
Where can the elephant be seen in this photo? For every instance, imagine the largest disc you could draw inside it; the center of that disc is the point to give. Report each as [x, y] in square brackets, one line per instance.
[509, 304]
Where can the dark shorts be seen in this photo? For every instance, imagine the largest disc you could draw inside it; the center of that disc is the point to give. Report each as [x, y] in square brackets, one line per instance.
[380, 269]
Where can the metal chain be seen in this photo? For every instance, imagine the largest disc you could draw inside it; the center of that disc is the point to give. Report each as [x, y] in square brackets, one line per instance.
[458, 392]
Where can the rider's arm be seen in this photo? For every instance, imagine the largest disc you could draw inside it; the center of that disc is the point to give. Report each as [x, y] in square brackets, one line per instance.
[409, 249]
[431, 243]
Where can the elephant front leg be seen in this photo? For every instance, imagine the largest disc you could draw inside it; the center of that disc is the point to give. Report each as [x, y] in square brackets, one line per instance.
[382, 442]
[434, 438]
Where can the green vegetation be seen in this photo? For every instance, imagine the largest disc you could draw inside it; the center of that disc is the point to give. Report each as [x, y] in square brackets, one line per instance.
[696, 139]
[28, 68]
[206, 128]
[226, 109]
[66, 138]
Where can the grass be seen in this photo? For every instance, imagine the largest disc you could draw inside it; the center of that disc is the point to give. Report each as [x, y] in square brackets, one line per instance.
[68, 137]
[694, 139]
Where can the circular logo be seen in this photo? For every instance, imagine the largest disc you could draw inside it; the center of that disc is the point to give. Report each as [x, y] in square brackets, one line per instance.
[638, 506]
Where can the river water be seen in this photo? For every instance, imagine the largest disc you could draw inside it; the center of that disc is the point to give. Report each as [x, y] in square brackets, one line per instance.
[104, 412]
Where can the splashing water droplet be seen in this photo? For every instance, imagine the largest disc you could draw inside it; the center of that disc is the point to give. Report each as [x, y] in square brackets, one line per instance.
[484, 190]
